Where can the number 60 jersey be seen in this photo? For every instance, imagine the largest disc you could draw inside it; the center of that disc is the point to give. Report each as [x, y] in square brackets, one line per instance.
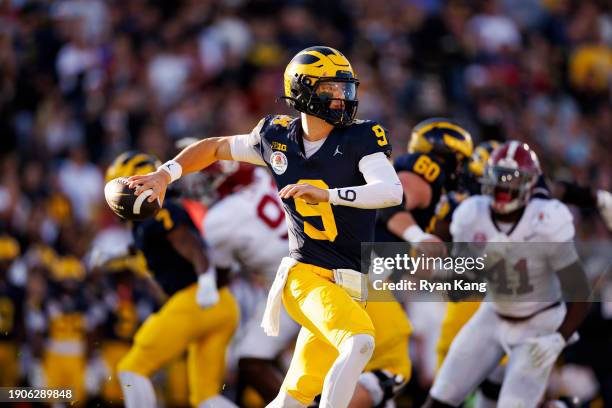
[319, 234]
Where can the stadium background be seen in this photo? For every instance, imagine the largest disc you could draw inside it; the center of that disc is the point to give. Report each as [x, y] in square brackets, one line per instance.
[84, 80]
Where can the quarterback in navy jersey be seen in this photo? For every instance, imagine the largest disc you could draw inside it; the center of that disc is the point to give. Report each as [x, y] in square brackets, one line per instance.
[332, 172]
[325, 236]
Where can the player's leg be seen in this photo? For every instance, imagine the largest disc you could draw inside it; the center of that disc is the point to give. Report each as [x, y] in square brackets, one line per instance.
[176, 384]
[257, 354]
[163, 337]
[390, 368]
[314, 301]
[341, 379]
[112, 353]
[376, 389]
[524, 383]
[473, 355]
[456, 316]
[489, 390]
[206, 358]
[311, 361]
[152, 348]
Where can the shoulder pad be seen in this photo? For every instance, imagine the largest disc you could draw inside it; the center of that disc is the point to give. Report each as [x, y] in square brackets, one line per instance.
[466, 215]
[421, 164]
[368, 137]
[552, 220]
[281, 120]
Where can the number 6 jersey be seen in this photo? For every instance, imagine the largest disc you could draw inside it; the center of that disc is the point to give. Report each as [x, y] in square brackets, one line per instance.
[319, 234]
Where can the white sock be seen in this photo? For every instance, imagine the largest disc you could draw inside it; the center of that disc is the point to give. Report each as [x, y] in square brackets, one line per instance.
[284, 400]
[340, 381]
[137, 390]
[218, 401]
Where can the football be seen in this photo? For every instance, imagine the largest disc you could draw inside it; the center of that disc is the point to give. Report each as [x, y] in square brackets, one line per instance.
[122, 200]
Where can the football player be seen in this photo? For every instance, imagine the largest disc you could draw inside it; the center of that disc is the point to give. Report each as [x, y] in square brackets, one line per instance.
[125, 305]
[530, 323]
[11, 314]
[458, 313]
[437, 151]
[246, 226]
[332, 172]
[200, 314]
[65, 325]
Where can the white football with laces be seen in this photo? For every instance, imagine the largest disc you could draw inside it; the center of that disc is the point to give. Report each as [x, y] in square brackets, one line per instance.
[127, 205]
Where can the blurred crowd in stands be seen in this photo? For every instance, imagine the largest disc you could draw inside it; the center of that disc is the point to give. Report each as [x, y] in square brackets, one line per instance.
[83, 80]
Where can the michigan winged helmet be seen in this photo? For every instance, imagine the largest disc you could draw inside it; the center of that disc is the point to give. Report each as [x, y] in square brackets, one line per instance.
[320, 81]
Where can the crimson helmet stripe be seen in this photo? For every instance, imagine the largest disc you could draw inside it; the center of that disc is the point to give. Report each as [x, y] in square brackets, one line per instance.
[512, 149]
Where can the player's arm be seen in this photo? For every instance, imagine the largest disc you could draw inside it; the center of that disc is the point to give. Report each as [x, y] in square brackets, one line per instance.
[189, 245]
[557, 225]
[198, 156]
[417, 194]
[194, 157]
[577, 290]
[185, 241]
[382, 188]
[399, 220]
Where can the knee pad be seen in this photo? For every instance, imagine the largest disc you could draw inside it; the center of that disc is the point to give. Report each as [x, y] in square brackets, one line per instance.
[359, 345]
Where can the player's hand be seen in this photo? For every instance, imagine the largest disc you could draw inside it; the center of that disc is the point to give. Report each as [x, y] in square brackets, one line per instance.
[430, 246]
[207, 294]
[157, 181]
[604, 202]
[307, 192]
[96, 372]
[544, 350]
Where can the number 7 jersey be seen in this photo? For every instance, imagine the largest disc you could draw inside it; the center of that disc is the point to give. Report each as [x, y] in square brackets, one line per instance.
[321, 234]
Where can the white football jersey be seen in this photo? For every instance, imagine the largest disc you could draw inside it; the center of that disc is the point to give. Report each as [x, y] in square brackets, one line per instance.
[533, 250]
[248, 228]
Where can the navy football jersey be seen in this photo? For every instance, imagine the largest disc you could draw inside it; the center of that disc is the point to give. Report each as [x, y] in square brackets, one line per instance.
[321, 234]
[171, 270]
[425, 166]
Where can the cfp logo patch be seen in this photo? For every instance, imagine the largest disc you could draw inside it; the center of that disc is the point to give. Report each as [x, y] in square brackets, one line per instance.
[279, 146]
[278, 162]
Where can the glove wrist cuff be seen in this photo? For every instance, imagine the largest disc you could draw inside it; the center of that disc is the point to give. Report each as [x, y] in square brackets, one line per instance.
[208, 278]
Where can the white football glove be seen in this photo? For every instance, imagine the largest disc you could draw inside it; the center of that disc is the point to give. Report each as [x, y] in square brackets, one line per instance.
[604, 202]
[96, 373]
[207, 294]
[545, 349]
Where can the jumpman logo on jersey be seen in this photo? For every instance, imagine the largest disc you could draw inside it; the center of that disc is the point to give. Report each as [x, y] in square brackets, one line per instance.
[337, 151]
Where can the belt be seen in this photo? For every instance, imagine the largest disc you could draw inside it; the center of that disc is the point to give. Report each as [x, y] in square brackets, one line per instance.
[322, 272]
[523, 318]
